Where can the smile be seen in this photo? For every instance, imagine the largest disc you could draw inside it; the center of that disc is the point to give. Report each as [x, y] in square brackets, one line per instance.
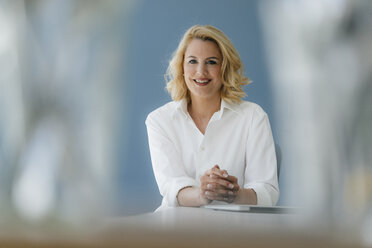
[202, 82]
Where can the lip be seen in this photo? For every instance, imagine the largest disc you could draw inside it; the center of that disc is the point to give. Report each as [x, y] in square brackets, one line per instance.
[202, 79]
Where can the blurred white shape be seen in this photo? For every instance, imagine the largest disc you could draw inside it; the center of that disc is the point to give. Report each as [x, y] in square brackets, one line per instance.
[34, 192]
[293, 30]
[61, 78]
[367, 230]
[12, 123]
[320, 56]
[7, 31]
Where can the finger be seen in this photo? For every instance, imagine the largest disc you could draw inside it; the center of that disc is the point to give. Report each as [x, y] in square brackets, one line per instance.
[215, 187]
[216, 170]
[216, 197]
[203, 179]
[212, 175]
[220, 173]
[213, 179]
[204, 183]
[223, 174]
[207, 185]
[226, 193]
[236, 187]
[208, 178]
[222, 183]
[221, 192]
[225, 199]
[210, 171]
[230, 199]
[231, 179]
[209, 194]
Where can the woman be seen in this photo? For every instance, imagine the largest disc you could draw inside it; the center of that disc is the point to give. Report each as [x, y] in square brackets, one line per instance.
[207, 144]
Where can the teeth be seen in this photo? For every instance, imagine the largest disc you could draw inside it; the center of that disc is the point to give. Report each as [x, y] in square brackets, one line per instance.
[202, 81]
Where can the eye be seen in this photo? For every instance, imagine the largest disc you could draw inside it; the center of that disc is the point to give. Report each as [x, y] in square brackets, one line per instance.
[211, 62]
[192, 61]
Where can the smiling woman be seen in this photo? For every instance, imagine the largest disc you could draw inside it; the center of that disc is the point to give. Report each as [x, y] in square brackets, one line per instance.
[230, 65]
[202, 74]
[209, 145]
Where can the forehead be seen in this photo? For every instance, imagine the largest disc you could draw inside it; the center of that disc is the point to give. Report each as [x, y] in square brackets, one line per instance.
[203, 49]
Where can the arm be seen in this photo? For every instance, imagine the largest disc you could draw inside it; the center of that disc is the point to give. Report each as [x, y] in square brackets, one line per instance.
[169, 170]
[192, 197]
[261, 168]
[246, 196]
[176, 187]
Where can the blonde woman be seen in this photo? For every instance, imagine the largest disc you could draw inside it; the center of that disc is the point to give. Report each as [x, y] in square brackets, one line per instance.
[207, 144]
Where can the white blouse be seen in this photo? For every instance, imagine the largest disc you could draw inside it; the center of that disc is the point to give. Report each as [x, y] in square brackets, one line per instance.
[238, 138]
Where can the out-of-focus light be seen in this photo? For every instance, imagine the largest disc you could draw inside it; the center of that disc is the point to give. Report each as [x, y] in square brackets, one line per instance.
[34, 192]
[319, 53]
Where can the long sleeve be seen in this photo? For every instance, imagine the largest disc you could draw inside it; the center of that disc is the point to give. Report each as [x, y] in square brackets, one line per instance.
[261, 164]
[168, 167]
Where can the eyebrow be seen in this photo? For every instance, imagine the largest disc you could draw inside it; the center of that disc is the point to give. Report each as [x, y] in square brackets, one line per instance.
[206, 58]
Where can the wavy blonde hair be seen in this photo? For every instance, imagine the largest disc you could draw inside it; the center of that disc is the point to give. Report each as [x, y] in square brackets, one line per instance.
[232, 67]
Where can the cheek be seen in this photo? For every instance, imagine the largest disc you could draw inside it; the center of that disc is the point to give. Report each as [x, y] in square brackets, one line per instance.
[218, 74]
[187, 70]
[215, 70]
[186, 76]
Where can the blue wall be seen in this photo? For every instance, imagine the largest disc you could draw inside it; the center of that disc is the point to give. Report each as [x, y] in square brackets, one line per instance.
[157, 27]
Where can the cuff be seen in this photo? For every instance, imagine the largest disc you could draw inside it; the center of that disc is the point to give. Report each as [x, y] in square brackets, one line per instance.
[264, 198]
[176, 185]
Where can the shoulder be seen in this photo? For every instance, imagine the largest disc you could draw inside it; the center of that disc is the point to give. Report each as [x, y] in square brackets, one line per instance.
[162, 113]
[251, 109]
[255, 115]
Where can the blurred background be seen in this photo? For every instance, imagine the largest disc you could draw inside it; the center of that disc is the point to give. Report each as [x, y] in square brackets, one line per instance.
[78, 78]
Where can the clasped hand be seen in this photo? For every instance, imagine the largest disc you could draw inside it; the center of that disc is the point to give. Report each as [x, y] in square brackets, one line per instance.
[217, 184]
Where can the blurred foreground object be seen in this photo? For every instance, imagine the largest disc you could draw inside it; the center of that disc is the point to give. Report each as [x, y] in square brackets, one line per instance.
[60, 66]
[320, 56]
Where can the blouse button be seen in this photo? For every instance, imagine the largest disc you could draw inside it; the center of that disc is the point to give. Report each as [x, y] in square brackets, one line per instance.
[202, 148]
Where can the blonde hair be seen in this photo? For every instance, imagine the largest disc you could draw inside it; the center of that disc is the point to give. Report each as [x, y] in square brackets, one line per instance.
[232, 68]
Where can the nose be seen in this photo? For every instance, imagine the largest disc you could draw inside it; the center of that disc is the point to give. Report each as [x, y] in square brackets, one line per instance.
[201, 69]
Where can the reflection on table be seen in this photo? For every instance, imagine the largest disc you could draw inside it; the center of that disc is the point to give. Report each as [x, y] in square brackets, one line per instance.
[186, 227]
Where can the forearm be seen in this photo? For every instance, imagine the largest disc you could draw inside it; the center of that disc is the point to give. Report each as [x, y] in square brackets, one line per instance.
[191, 197]
[246, 196]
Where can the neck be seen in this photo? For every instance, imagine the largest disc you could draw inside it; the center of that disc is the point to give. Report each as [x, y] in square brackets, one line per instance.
[204, 108]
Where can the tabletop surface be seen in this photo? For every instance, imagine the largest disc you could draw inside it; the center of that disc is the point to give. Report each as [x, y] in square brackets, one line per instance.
[189, 227]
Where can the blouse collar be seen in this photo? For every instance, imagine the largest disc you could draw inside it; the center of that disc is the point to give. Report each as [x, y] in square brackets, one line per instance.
[181, 107]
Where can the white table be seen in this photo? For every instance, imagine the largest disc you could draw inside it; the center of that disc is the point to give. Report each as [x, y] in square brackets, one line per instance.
[199, 227]
[188, 227]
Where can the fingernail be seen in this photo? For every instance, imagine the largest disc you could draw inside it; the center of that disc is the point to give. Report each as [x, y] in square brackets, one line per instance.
[207, 193]
[209, 186]
[225, 175]
[231, 193]
[226, 199]
[231, 186]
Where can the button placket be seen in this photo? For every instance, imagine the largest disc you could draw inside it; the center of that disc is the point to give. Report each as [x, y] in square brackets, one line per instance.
[201, 157]
[202, 146]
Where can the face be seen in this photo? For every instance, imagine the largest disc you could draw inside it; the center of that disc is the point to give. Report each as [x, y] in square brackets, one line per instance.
[202, 69]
